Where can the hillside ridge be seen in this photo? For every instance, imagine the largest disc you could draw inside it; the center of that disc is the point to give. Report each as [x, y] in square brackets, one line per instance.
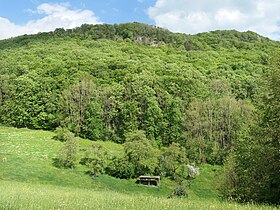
[147, 35]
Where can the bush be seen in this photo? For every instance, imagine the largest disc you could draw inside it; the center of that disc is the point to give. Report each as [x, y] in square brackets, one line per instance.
[228, 179]
[96, 159]
[68, 154]
[63, 134]
[120, 168]
[182, 173]
[180, 191]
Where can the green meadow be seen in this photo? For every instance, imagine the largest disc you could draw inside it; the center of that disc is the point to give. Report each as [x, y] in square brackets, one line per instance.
[28, 180]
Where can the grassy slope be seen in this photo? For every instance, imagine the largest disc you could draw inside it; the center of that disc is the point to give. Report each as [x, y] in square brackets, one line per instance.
[28, 180]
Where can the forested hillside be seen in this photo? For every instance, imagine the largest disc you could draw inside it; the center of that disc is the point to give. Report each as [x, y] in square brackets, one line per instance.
[117, 83]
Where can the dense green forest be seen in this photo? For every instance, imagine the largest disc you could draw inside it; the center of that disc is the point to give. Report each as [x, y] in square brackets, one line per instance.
[169, 98]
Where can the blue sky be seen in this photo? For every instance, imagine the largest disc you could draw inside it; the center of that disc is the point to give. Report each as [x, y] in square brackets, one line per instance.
[19, 17]
[109, 11]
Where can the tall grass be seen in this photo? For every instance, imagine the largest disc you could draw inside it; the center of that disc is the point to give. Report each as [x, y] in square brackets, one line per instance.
[16, 195]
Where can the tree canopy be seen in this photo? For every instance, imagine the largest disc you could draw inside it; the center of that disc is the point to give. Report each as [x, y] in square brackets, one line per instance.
[200, 95]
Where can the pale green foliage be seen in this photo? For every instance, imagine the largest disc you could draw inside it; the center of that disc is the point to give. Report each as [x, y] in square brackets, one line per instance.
[68, 154]
[213, 125]
[63, 134]
[181, 173]
[137, 135]
[172, 158]
[74, 101]
[228, 182]
[96, 159]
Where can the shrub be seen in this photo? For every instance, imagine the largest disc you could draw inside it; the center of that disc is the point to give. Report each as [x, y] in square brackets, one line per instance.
[68, 154]
[182, 173]
[180, 191]
[120, 168]
[229, 179]
[96, 159]
[63, 134]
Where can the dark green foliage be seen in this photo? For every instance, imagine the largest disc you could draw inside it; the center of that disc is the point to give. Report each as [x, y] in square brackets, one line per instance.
[121, 168]
[252, 171]
[182, 173]
[192, 44]
[180, 191]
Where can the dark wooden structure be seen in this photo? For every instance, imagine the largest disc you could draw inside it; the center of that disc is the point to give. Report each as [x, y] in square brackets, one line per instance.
[149, 180]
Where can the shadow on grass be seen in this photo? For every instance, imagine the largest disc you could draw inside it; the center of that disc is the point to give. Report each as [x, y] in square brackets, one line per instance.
[57, 162]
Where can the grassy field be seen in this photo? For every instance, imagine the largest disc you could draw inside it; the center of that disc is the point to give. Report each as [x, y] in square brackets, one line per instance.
[28, 180]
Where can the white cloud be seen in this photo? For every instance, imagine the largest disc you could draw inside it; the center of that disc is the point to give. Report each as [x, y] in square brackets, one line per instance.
[224, 16]
[192, 17]
[54, 16]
